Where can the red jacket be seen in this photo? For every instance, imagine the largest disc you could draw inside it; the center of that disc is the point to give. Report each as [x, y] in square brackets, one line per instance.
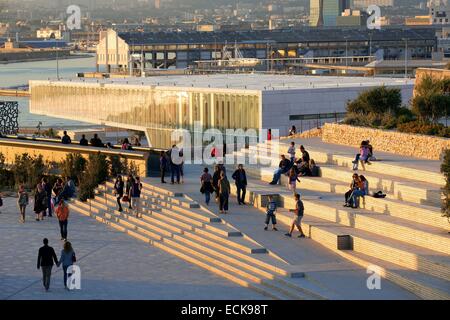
[62, 213]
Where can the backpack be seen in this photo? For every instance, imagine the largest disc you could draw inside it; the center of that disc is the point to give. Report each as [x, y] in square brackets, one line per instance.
[379, 194]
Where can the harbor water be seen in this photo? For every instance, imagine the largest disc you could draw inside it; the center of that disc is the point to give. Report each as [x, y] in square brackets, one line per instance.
[18, 74]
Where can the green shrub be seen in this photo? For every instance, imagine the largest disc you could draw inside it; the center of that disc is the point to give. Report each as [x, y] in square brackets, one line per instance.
[418, 127]
[6, 176]
[28, 170]
[445, 169]
[431, 102]
[379, 100]
[117, 166]
[73, 166]
[97, 172]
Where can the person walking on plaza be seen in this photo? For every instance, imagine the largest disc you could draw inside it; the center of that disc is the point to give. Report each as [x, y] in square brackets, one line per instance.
[62, 212]
[163, 165]
[46, 259]
[129, 183]
[216, 178]
[206, 185]
[66, 139]
[57, 190]
[22, 202]
[67, 259]
[48, 189]
[224, 193]
[297, 222]
[83, 141]
[270, 214]
[240, 178]
[174, 164]
[181, 166]
[40, 202]
[135, 196]
[283, 168]
[118, 191]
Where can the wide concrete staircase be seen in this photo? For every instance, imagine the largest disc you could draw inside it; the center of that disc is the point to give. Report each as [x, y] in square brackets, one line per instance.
[404, 235]
[178, 225]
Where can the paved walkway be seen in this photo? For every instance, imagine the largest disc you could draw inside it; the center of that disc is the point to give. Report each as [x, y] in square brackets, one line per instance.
[341, 278]
[318, 145]
[113, 265]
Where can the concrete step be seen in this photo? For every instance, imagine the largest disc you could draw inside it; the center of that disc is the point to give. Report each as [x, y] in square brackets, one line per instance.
[410, 256]
[428, 215]
[169, 220]
[326, 233]
[151, 193]
[424, 286]
[397, 208]
[194, 212]
[242, 273]
[240, 243]
[392, 168]
[402, 189]
[243, 269]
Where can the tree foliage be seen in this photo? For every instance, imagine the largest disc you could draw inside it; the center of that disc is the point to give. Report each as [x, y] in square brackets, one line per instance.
[28, 170]
[432, 99]
[378, 101]
[73, 166]
[97, 172]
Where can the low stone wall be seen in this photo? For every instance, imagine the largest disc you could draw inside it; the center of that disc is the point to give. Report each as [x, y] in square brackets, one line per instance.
[414, 145]
[56, 153]
[313, 133]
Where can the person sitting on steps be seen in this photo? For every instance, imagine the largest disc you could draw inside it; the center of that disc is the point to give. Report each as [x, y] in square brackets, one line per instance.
[363, 190]
[362, 156]
[353, 187]
[283, 168]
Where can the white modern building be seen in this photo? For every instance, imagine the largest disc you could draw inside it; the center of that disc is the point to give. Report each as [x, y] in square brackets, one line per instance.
[159, 105]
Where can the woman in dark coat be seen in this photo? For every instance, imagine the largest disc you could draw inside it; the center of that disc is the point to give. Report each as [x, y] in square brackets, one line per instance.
[40, 202]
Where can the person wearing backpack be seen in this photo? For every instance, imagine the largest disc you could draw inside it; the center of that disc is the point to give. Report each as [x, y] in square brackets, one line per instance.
[67, 259]
[62, 212]
[22, 202]
[135, 196]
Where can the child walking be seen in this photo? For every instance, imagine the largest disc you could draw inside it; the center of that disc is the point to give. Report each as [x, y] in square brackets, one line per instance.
[293, 178]
[270, 214]
[22, 202]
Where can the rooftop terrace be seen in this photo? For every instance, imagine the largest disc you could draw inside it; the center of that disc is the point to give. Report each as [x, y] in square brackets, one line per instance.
[263, 82]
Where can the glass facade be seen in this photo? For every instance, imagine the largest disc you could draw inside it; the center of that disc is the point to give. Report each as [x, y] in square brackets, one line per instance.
[155, 110]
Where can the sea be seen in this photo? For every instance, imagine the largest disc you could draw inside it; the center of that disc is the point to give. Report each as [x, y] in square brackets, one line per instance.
[18, 74]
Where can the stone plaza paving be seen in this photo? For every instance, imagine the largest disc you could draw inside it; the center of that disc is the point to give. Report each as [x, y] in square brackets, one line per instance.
[113, 265]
